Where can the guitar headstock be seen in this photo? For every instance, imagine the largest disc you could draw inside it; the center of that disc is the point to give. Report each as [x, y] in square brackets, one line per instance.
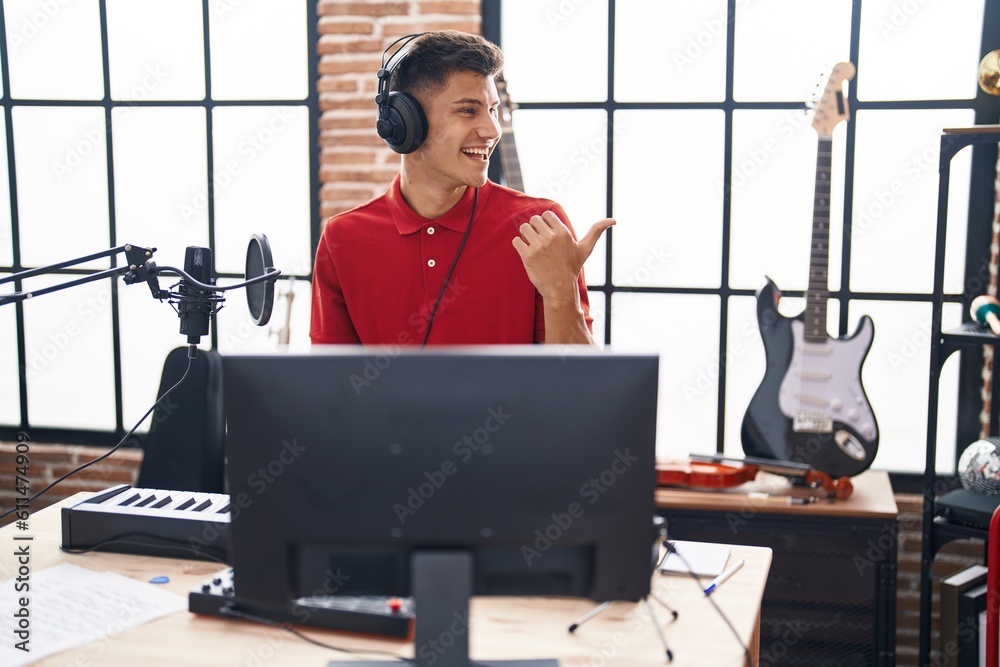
[506, 106]
[832, 106]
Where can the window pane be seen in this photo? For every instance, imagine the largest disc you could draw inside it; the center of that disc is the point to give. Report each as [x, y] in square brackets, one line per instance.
[555, 51]
[62, 183]
[260, 50]
[167, 63]
[688, 391]
[894, 54]
[898, 359]
[69, 345]
[895, 201]
[688, 61]
[675, 237]
[773, 188]
[54, 49]
[10, 406]
[176, 179]
[262, 185]
[563, 157]
[782, 46]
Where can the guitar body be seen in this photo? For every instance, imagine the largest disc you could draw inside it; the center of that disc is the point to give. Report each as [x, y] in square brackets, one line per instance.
[810, 406]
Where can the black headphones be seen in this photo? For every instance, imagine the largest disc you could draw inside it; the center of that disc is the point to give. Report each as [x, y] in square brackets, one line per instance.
[401, 120]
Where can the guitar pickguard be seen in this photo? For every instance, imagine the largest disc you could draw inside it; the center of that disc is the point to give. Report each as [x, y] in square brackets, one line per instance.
[823, 385]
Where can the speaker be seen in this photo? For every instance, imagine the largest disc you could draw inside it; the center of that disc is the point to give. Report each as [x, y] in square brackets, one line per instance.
[401, 121]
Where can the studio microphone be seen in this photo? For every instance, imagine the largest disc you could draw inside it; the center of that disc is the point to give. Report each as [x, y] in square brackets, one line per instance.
[195, 305]
[197, 298]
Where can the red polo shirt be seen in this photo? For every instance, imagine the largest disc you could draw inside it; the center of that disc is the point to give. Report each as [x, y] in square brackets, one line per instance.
[380, 267]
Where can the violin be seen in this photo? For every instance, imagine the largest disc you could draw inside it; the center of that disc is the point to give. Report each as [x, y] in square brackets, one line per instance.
[709, 472]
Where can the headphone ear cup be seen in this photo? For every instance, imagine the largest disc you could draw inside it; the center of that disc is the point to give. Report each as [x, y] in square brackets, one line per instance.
[403, 124]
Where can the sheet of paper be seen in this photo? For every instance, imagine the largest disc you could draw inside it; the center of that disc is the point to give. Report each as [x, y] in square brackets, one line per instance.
[72, 606]
[704, 559]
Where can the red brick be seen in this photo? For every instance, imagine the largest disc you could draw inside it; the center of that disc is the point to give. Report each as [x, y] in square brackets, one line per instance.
[338, 25]
[370, 8]
[449, 7]
[330, 44]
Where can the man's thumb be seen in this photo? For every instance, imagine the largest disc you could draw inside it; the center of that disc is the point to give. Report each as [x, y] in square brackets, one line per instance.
[590, 239]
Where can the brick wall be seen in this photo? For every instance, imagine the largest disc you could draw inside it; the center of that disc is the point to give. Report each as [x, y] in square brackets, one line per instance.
[48, 462]
[355, 165]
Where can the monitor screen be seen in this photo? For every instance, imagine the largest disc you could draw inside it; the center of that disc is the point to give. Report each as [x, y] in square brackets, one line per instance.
[535, 464]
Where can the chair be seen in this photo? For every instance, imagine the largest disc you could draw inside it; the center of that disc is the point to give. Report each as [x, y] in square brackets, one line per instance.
[184, 447]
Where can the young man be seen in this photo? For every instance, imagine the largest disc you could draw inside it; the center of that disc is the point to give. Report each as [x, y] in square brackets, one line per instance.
[445, 256]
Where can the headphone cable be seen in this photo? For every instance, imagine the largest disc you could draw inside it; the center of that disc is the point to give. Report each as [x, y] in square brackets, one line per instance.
[437, 302]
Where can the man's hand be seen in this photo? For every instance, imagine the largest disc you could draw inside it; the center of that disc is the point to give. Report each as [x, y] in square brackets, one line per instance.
[552, 257]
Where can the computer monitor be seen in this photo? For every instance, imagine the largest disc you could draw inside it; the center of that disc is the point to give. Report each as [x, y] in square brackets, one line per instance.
[486, 471]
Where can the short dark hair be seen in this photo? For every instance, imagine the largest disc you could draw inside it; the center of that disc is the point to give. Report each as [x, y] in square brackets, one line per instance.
[434, 56]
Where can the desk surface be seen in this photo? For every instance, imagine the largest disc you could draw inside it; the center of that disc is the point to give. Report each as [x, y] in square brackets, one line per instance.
[872, 498]
[624, 634]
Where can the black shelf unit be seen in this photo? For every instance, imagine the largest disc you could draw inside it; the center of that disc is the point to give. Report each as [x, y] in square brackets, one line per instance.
[938, 530]
[847, 616]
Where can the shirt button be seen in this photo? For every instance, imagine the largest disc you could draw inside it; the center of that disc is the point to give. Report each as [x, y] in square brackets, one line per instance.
[431, 263]
[430, 230]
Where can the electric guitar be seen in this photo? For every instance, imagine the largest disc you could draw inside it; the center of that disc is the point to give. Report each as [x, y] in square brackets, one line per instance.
[811, 407]
[508, 149]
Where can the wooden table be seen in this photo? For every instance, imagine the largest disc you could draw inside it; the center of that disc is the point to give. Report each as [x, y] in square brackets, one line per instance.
[506, 627]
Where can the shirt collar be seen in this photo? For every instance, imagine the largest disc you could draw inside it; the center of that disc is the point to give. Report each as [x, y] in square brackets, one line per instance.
[409, 222]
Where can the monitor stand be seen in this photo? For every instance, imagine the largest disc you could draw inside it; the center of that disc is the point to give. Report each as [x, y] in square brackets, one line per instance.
[442, 586]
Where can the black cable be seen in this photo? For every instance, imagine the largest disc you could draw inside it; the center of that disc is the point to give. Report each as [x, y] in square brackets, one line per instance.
[468, 228]
[232, 612]
[671, 549]
[191, 355]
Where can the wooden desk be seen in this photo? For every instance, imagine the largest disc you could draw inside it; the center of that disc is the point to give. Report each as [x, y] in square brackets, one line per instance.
[833, 584]
[622, 635]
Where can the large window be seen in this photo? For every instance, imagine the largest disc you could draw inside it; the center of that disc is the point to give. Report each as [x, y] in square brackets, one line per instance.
[686, 121]
[160, 123]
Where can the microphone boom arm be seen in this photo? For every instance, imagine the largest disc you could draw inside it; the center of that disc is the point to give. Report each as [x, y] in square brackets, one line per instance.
[135, 271]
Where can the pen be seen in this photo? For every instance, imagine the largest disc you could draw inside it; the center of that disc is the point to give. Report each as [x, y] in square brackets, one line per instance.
[722, 577]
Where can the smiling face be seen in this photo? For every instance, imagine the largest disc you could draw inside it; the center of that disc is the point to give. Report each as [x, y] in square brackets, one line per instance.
[463, 130]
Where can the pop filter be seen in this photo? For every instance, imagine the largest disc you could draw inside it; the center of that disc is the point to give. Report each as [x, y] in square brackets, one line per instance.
[260, 294]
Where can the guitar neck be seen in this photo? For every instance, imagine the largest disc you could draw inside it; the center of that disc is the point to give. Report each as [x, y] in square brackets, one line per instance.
[509, 161]
[508, 148]
[819, 262]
